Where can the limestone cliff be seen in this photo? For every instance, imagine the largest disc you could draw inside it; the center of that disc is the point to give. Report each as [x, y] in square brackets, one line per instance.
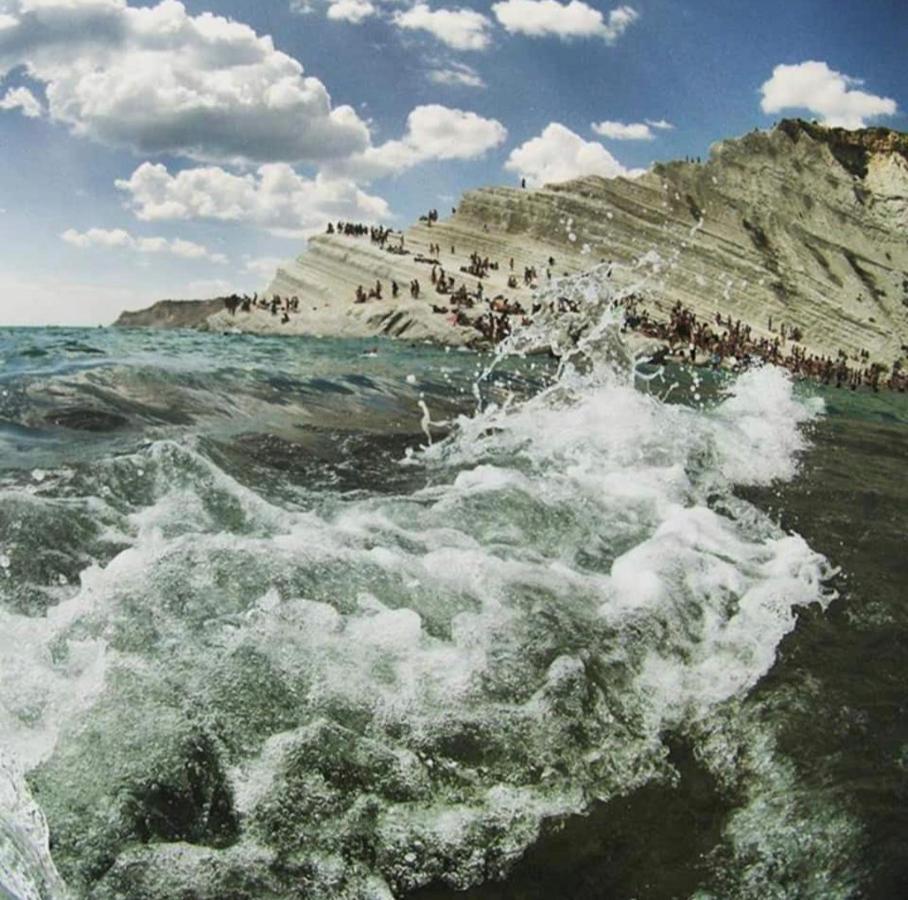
[804, 224]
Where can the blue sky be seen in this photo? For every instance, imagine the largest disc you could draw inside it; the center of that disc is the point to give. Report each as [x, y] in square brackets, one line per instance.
[172, 150]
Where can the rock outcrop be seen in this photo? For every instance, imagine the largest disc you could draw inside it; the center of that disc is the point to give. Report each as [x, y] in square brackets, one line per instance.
[803, 225]
[171, 314]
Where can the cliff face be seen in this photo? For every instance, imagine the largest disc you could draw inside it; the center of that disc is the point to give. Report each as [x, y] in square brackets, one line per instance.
[803, 224]
[852, 149]
[171, 314]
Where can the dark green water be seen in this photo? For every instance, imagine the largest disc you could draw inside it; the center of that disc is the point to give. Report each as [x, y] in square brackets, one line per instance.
[258, 640]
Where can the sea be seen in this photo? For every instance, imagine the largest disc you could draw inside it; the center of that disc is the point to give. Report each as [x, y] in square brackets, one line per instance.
[287, 617]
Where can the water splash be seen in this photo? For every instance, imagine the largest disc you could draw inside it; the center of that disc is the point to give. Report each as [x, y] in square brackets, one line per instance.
[371, 693]
[26, 869]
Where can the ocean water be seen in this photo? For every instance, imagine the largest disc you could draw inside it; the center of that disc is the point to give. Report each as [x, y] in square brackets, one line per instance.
[307, 618]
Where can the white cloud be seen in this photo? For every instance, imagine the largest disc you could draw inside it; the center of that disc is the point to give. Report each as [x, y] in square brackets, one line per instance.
[275, 198]
[462, 29]
[433, 132]
[22, 98]
[539, 18]
[661, 124]
[354, 11]
[117, 238]
[263, 267]
[98, 237]
[205, 288]
[159, 80]
[619, 131]
[457, 75]
[285, 203]
[814, 86]
[179, 247]
[558, 154]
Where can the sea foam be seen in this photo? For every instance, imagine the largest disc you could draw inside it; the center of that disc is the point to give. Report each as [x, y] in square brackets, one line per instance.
[398, 689]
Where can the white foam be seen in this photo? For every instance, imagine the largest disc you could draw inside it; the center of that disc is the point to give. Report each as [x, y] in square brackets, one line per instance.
[26, 869]
[571, 533]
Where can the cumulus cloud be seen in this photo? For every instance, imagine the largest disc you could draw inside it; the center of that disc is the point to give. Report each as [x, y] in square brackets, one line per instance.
[541, 18]
[263, 267]
[98, 237]
[619, 131]
[457, 74]
[434, 132]
[558, 154]
[462, 29]
[282, 201]
[354, 11]
[159, 80]
[210, 287]
[660, 124]
[275, 198]
[118, 238]
[23, 99]
[829, 94]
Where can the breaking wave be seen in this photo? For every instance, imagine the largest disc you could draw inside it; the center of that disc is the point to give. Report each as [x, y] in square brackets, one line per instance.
[363, 692]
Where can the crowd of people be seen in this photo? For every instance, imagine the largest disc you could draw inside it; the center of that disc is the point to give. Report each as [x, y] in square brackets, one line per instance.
[350, 229]
[494, 323]
[727, 341]
[276, 304]
[716, 341]
[376, 233]
[480, 266]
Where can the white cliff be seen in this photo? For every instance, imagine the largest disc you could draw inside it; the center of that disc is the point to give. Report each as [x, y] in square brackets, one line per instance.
[804, 225]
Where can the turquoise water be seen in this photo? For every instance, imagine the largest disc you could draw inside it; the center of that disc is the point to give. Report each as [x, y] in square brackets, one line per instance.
[289, 617]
